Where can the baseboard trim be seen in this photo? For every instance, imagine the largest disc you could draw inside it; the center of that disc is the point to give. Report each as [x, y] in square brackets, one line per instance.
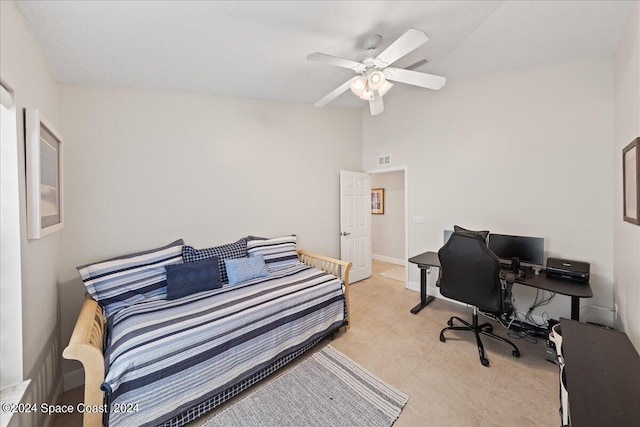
[431, 290]
[389, 259]
[413, 286]
[73, 379]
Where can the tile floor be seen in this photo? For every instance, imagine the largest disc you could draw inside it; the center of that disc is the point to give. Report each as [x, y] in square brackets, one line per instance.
[446, 383]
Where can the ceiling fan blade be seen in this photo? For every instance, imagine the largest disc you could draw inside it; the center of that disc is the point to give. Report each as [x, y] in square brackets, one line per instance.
[429, 81]
[410, 40]
[417, 64]
[376, 106]
[336, 92]
[334, 60]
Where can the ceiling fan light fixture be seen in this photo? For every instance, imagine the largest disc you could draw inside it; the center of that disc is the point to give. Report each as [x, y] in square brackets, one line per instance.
[385, 87]
[376, 80]
[367, 95]
[359, 86]
[374, 75]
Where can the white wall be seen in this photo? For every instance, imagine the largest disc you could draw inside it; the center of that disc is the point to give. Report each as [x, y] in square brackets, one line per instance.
[387, 230]
[24, 67]
[143, 168]
[525, 152]
[626, 129]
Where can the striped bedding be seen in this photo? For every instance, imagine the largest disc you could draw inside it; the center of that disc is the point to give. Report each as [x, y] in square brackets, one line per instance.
[164, 357]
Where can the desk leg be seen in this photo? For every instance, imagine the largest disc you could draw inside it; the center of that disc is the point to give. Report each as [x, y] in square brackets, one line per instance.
[424, 299]
[575, 308]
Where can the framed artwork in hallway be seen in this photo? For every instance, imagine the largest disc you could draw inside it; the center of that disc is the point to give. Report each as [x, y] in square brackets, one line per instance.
[377, 201]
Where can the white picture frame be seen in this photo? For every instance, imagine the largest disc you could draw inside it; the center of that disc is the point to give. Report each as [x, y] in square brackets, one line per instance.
[44, 181]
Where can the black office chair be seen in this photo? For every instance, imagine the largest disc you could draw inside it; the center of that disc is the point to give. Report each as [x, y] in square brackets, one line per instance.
[470, 273]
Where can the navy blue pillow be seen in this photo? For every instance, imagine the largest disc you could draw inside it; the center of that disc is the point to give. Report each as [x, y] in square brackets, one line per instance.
[189, 278]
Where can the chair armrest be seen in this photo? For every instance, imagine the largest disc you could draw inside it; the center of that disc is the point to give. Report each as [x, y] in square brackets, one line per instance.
[510, 279]
[507, 284]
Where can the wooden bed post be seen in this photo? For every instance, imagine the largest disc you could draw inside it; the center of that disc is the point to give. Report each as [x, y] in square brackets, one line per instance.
[85, 346]
[332, 266]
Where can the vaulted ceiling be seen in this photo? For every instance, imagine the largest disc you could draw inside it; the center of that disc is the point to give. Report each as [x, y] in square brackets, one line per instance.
[258, 49]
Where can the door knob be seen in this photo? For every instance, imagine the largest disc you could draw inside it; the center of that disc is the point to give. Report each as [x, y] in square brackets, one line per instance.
[344, 233]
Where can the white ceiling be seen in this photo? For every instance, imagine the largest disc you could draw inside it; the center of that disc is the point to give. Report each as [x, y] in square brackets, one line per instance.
[258, 49]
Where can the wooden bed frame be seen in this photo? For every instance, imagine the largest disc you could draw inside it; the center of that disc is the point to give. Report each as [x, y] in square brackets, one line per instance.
[86, 340]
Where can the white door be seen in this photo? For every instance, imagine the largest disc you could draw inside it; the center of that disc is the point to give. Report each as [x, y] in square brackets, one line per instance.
[355, 223]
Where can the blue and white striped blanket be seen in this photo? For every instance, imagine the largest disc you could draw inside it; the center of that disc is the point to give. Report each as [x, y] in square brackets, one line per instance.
[164, 357]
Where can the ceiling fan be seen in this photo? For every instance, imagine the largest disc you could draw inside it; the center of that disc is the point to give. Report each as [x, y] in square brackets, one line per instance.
[374, 74]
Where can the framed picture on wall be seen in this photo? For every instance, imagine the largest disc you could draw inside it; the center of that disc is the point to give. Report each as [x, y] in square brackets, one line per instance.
[45, 207]
[377, 201]
[631, 182]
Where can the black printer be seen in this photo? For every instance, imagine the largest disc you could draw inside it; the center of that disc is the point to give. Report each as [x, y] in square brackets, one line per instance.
[568, 269]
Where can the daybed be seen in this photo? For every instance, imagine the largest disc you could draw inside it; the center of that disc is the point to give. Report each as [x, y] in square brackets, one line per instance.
[160, 361]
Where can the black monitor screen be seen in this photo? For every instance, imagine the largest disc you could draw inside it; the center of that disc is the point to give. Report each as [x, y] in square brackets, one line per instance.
[528, 249]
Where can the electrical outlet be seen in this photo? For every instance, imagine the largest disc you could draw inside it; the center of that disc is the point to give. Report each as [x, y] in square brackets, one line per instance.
[418, 219]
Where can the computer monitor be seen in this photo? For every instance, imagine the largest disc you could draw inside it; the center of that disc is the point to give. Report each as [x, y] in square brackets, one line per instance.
[447, 234]
[530, 250]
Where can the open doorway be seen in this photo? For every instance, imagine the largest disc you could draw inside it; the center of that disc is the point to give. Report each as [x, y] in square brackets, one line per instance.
[389, 227]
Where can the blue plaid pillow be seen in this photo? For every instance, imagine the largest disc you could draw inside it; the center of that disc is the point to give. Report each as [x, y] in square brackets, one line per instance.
[229, 251]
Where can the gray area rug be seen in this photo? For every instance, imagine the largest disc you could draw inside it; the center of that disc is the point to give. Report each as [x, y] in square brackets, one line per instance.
[327, 389]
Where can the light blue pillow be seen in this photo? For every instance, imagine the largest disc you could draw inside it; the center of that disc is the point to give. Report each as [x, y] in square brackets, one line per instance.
[243, 269]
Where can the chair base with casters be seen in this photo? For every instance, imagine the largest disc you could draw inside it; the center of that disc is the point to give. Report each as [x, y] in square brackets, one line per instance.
[484, 329]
